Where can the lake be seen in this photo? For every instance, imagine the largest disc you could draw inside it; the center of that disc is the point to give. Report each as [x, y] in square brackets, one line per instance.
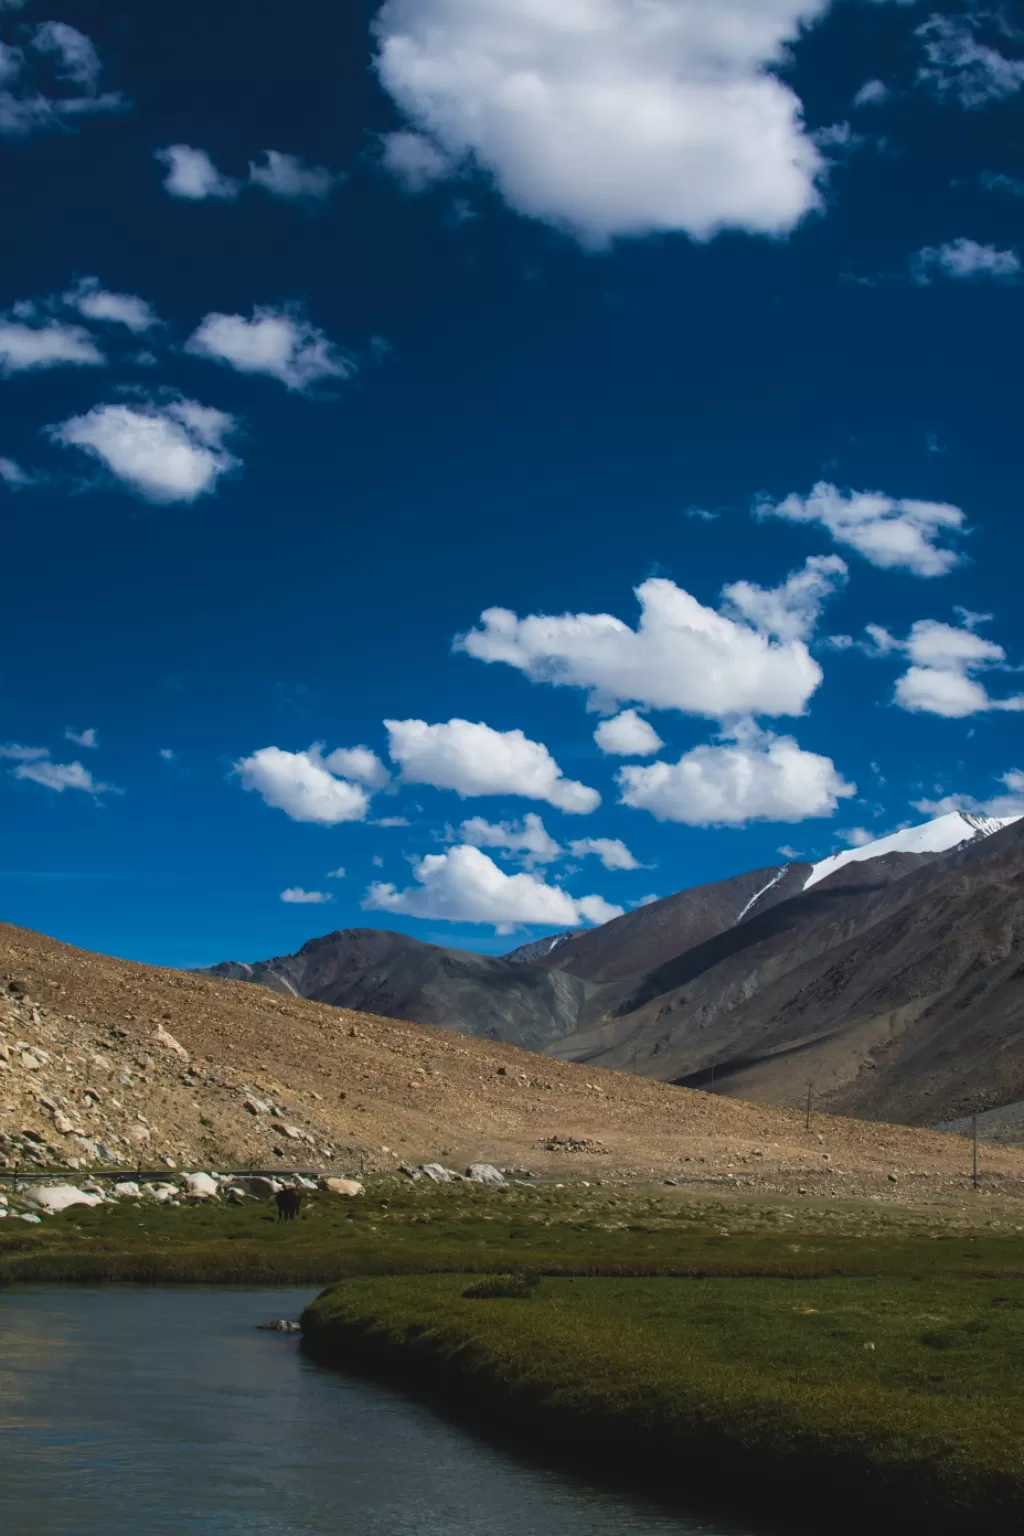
[133, 1412]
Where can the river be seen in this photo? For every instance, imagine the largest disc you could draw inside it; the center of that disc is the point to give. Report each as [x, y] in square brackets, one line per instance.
[133, 1412]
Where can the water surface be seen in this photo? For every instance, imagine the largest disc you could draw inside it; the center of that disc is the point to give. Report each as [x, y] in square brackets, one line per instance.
[133, 1412]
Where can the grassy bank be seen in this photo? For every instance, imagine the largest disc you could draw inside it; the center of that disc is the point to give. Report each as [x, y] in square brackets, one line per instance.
[763, 1394]
[398, 1228]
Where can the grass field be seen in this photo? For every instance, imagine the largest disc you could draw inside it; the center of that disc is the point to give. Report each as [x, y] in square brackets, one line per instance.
[841, 1363]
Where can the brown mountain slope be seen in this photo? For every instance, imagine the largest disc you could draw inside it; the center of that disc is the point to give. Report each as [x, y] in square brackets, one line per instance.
[370, 1092]
[898, 999]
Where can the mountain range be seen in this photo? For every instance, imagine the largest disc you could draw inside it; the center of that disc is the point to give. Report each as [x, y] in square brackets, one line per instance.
[886, 980]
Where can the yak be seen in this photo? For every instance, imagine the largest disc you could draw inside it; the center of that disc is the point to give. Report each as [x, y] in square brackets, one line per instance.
[289, 1203]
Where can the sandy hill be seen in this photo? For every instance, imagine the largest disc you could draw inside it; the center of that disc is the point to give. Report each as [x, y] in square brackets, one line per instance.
[107, 1061]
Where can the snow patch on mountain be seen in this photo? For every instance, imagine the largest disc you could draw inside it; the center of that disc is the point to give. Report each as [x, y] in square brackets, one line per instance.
[937, 836]
[763, 892]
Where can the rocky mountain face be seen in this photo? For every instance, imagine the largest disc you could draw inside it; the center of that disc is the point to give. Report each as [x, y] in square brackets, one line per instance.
[886, 978]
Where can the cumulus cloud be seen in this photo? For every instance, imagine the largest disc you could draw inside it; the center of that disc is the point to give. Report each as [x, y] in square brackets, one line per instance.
[20, 754]
[61, 776]
[871, 94]
[13, 476]
[24, 348]
[473, 759]
[789, 612]
[960, 67]
[358, 763]
[465, 886]
[301, 785]
[299, 897]
[627, 734]
[274, 342]
[608, 118]
[414, 161]
[192, 175]
[1009, 804]
[751, 776]
[165, 451]
[612, 852]
[944, 662]
[291, 178]
[97, 303]
[528, 840]
[82, 738]
[681, 656]
[71, 60]
[964, 261]
[336, 874]
[894, 533]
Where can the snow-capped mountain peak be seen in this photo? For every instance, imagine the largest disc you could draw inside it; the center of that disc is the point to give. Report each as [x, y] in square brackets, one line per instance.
[937, 836]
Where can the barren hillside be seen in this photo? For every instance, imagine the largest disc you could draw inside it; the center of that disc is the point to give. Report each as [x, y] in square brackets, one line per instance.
[104, 1060]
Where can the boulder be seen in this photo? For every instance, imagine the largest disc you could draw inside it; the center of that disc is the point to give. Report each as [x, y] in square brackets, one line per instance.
[166, 1039]
[259, 1188]
[59, 1197]
[28, 1216]
[436, 1172]
[128, 1189]
[347, 1187]
[485, 1173]
[200, 1186]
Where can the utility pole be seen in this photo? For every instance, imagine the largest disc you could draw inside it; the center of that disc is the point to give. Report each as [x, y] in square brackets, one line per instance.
[712, 1077]
[808, 1121]
[974, 1135]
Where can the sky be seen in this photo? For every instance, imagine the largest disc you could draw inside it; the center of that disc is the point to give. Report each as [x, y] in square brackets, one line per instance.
[472, 466]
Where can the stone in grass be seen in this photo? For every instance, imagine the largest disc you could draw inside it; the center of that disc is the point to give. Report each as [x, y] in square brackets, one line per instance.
[200, 1186]
[485, 1173]
[60, 1197]
[436, 1172]
[349, 1188]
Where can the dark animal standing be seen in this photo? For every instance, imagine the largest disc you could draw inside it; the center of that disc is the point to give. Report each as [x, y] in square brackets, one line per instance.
[289, 1204]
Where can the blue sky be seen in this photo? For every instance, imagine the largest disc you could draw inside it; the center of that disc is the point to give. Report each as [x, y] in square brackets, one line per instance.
[622, 403]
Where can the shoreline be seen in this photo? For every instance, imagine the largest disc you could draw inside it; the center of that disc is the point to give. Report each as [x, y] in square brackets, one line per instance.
[751, 1465]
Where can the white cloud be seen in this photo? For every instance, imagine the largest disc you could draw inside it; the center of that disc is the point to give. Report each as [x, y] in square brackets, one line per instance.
[856, 837]
[96, 303]
[414, 160]
[20, 754]
[789, 612]
[13, 476]
[299, 897]
[168, 754]
[336, 874]
[273, 342]
[752, 776]
[61, 776]
[998, 181]
[299, 784]
[289, 177]
[871, 94]
[944, 661]
[1009, 804]
[72, 59]
[891, 532]
[27, 347]
[465, 886]
[473, 759]
[964, 261]
[682, 655]
[392, 821]
[82, 738]
[192, 175]
[529, 839]
[610, 850]
[167, 451]
[611, 118]
[627, 734]
[358, 763]
[960, 68]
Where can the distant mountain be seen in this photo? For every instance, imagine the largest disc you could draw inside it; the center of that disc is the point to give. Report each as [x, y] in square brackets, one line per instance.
[887, 976]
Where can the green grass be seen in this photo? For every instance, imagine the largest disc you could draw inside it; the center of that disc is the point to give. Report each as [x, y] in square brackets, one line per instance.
[398, 1228]
[761, 1385]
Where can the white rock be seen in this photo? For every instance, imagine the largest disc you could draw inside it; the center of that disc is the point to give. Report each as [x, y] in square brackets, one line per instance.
[436, 1172]
[128, 1188]
[291, 1131]
[166, 1039]
[62, 1124]
[256, 1106]
[60, 1197]
[200, 1186]
[485, 1173]
[29, 1062]
[29, 1216]
[259, 1188]
[347, 1187]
